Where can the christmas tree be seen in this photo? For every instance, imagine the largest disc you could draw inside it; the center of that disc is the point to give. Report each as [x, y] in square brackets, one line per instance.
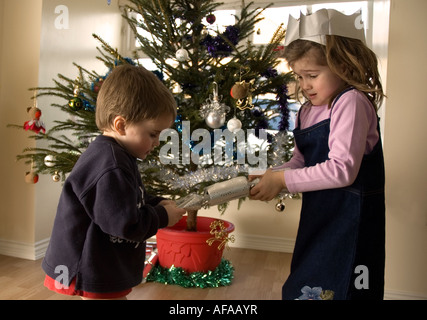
[220, 81]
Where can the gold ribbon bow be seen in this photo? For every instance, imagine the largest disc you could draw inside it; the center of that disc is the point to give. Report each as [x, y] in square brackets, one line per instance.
[218, 230]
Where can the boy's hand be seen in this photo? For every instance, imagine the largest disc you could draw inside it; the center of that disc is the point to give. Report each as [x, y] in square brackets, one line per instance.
[174, 214]
[166, 202]
[269, 186]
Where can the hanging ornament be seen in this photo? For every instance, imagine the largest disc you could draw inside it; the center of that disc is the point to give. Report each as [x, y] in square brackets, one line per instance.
[234, 125]
[280, 206]
[49, 161]
[34, 124]
[96, 85]
[31, 177]
[215, 119]
[56, 177]
[182, 55]
[213, 111]
[76, 103]
[242, 92]
[211, 18]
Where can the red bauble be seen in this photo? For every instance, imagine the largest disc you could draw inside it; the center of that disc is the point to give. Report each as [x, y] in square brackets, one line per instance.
[31, 177]
[97, 85]
[211, 18]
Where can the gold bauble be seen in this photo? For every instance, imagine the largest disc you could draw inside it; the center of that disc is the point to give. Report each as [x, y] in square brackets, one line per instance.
[240, 90]
[56, 177]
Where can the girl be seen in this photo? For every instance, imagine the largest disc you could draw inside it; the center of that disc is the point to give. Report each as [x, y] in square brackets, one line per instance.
[338, 166]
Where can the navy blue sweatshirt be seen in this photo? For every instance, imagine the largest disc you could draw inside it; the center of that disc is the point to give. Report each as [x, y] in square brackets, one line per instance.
[104, 216]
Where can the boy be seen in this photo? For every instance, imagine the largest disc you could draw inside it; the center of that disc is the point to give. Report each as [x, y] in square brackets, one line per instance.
[104, 215]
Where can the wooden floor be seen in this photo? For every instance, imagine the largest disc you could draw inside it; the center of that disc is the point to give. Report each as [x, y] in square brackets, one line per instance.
[258, 275]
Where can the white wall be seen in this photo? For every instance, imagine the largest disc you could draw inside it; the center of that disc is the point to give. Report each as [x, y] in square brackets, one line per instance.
[20, 23]
[405, 149]
[59, 48]
[33, 50]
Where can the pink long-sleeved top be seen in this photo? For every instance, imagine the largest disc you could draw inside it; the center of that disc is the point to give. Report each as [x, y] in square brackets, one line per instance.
[353, 133]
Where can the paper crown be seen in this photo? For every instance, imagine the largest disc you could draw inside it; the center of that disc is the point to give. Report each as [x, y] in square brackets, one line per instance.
[324, 22]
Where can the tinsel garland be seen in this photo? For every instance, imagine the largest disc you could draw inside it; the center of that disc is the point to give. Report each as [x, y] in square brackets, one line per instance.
[216, 173]
[281, 97]
[221, 276]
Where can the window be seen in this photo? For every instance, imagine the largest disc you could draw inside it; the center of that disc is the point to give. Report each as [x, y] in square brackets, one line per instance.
[273, 17]
[375, 15]
[264, 30]
[223, 18]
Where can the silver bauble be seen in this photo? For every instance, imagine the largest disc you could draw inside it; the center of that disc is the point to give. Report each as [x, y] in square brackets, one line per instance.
[215, 119]
[182, 55]
[280, 206]
[234, 125]
[49, 161]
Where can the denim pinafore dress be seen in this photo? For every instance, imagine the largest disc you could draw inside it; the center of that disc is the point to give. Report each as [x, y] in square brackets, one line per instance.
[340, 247]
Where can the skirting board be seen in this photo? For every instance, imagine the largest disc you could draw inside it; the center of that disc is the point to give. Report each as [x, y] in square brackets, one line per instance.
[23, 250]
[400, 295]
[254, 242]
[37, 251]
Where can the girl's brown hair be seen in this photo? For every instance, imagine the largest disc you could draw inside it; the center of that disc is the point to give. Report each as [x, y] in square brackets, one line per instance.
[134, 93]
[350, 59]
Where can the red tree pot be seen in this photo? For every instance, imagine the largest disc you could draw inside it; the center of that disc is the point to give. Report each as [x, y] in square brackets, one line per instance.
[189, 249]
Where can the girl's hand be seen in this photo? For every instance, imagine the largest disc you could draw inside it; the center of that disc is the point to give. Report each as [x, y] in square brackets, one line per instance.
[269, 186]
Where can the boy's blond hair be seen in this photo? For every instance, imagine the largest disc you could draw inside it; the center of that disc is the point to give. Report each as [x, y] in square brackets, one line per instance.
[134, 93]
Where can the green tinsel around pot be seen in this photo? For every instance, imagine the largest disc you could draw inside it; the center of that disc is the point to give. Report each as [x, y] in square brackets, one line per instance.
[221, 276]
